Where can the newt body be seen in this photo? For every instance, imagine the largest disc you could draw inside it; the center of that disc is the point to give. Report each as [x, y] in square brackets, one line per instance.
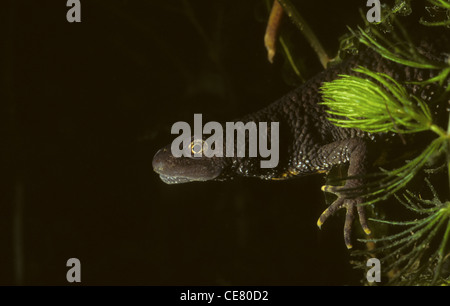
[308, 142]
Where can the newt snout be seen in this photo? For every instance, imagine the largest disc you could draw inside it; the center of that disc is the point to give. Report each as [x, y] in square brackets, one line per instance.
[177, 170]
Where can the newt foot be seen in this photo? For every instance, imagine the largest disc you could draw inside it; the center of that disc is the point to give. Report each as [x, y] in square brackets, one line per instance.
[351, 205]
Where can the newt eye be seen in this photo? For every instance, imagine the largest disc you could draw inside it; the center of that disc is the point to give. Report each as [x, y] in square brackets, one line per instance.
[197, 146]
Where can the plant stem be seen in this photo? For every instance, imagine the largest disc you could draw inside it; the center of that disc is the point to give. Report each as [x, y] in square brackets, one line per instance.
[448, 152]
[441, 254]
[438, 131]
[291, 59]
[273, 29]
[301, 24]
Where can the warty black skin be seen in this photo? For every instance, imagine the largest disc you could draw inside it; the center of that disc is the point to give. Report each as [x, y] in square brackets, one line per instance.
[309, 142]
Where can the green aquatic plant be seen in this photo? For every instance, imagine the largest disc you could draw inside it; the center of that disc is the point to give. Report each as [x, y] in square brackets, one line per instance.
[404, 252]
[404, 54]
[414, 251]
[441, 6]
[373, 107]
[377, 103]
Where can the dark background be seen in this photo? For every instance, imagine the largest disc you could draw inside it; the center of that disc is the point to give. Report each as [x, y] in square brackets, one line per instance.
[85, 106]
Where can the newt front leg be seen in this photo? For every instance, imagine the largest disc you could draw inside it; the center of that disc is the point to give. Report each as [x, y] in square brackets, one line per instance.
[354, 151]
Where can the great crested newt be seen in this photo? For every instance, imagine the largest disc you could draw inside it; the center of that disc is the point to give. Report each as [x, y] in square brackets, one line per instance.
[308, 142]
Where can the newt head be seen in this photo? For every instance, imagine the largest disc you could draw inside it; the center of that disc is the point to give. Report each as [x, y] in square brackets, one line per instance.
[184, 169]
